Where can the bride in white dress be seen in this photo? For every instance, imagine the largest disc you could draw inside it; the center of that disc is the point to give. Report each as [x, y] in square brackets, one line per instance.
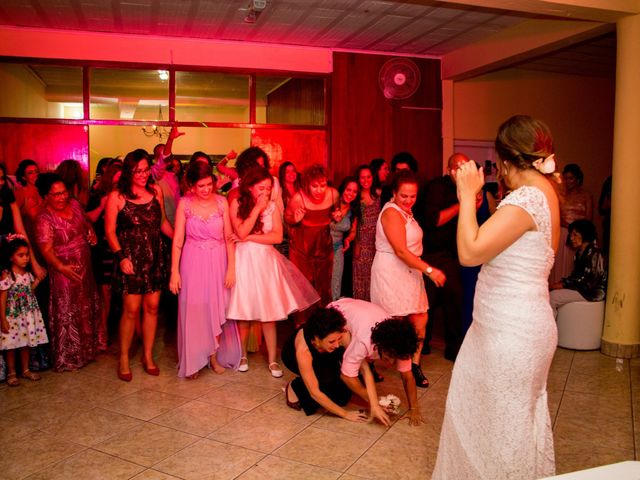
[496, 423]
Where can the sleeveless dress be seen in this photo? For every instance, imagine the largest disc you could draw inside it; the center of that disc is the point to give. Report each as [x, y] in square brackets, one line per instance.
[311, 249]
[138, 230]
[397, 288]
[496, 422]
[268, 286]
[326, 367]
[203, 298]
[366, 241]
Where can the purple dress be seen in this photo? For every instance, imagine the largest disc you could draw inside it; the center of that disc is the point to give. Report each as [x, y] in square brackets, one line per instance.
[203, 298]
[74, 307]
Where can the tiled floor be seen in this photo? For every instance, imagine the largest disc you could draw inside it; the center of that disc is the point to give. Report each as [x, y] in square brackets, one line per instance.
[90, 425]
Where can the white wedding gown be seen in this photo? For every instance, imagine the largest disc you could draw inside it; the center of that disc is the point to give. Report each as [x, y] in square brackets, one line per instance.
[496, 424]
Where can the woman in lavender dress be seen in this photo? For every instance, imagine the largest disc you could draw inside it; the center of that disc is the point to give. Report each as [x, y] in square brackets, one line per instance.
[202, 271]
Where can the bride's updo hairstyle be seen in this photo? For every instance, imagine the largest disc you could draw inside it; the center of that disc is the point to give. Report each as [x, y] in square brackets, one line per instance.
[522, 140]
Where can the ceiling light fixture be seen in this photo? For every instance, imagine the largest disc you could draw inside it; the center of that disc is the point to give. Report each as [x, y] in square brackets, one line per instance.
[254, 9]
[156, 130]
[163, 74]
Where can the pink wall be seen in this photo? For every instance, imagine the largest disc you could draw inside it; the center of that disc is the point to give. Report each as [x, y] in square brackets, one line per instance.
[109, 47]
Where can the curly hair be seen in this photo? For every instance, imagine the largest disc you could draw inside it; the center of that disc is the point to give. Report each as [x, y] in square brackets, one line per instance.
[22, 169]
[246, 202]
[323, 322]
[585, 228]
[522, 140]
[313, 173]
[45, 181]
[404, 157]
[395, 338]
[130, 163]
[249, 159]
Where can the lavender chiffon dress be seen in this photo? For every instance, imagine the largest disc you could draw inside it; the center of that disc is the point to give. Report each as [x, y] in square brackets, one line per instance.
[202, 326]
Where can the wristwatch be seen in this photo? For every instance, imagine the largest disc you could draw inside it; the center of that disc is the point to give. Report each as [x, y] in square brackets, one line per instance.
[428, 271]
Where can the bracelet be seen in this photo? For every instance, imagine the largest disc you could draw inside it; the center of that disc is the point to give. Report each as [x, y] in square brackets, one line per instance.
[119, 255]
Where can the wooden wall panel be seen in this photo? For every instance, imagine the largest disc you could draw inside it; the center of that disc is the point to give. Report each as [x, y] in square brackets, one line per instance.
[366, 125]
[300, 100]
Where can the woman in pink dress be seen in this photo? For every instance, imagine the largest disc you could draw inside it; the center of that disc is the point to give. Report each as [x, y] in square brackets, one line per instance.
[268, 286]
[202, 271]
[63, 234]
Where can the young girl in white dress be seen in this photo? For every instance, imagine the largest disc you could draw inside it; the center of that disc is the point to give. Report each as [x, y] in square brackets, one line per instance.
[268, 286]
[20, 318]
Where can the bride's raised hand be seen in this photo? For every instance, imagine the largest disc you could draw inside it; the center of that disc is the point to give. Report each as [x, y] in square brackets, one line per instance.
[469, 180]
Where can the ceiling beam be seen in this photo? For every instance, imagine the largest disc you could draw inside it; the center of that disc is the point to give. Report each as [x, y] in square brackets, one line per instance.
[516, 44]
[606, 11]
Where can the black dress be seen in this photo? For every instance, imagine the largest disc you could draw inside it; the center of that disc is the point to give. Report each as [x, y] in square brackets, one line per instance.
[138, 230]
[326, 367]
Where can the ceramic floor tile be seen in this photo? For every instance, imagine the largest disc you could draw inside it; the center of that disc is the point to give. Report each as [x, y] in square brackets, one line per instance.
[599, 382]
[189, 388]
[371, 430]
[146, 444]
[146, 404]
[257, 432]
[19, 460]
[211, 460]
[197, 418]
[322, 448]
[52, 409]
[89, 464]
[152, 474]
[91, 427]
[239, 396]
[279, 468]
[277, 409]
[14, 426]
[399, 457]
[573, 456]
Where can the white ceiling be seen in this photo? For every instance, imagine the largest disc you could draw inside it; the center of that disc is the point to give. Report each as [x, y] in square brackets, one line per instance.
[412, 27]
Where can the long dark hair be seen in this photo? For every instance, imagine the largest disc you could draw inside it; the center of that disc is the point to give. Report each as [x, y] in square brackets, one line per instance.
[197, 171]
[246, 202]
[355, 205]
[130, 163]
[282, 173]
[372, 190]
[106, 182]
[249, 159]
[8, 184]
[22, 168]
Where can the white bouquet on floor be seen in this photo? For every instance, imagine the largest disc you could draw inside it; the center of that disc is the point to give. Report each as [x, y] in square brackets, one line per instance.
[390, 403]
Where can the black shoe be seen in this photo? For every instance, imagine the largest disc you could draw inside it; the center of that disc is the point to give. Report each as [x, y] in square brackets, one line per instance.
[376, 376]
[421, 380]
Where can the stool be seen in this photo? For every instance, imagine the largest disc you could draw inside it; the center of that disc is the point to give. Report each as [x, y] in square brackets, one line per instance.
[580, 325]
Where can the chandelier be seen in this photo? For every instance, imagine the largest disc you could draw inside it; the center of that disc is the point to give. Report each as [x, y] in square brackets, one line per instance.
[155, 130]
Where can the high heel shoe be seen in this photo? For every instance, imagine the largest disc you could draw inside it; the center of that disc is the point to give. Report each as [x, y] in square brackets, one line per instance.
[290, 404]
[421, 380]
[155, 371]
[125, 377]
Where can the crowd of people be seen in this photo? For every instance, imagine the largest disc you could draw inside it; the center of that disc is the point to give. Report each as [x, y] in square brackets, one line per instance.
[244, 250]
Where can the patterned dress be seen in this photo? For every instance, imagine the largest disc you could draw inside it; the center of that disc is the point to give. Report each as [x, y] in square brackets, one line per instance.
[138, 230]
[74, 307]
[26, 328]
[366, 242]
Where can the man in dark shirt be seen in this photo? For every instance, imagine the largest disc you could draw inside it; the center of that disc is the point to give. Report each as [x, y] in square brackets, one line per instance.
[437, 213]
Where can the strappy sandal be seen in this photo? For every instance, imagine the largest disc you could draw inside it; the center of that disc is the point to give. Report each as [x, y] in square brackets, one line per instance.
[29, 375]
[12, 380]
[421, 380]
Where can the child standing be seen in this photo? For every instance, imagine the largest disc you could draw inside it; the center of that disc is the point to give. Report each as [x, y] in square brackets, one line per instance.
[20, 318]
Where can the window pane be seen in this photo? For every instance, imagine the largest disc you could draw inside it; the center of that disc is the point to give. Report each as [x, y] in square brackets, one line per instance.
[118, 94]
[212, 97]
[40, 91]
[290, 100]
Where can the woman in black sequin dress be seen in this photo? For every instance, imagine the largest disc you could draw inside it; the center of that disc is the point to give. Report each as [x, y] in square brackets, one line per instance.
[134, 222]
